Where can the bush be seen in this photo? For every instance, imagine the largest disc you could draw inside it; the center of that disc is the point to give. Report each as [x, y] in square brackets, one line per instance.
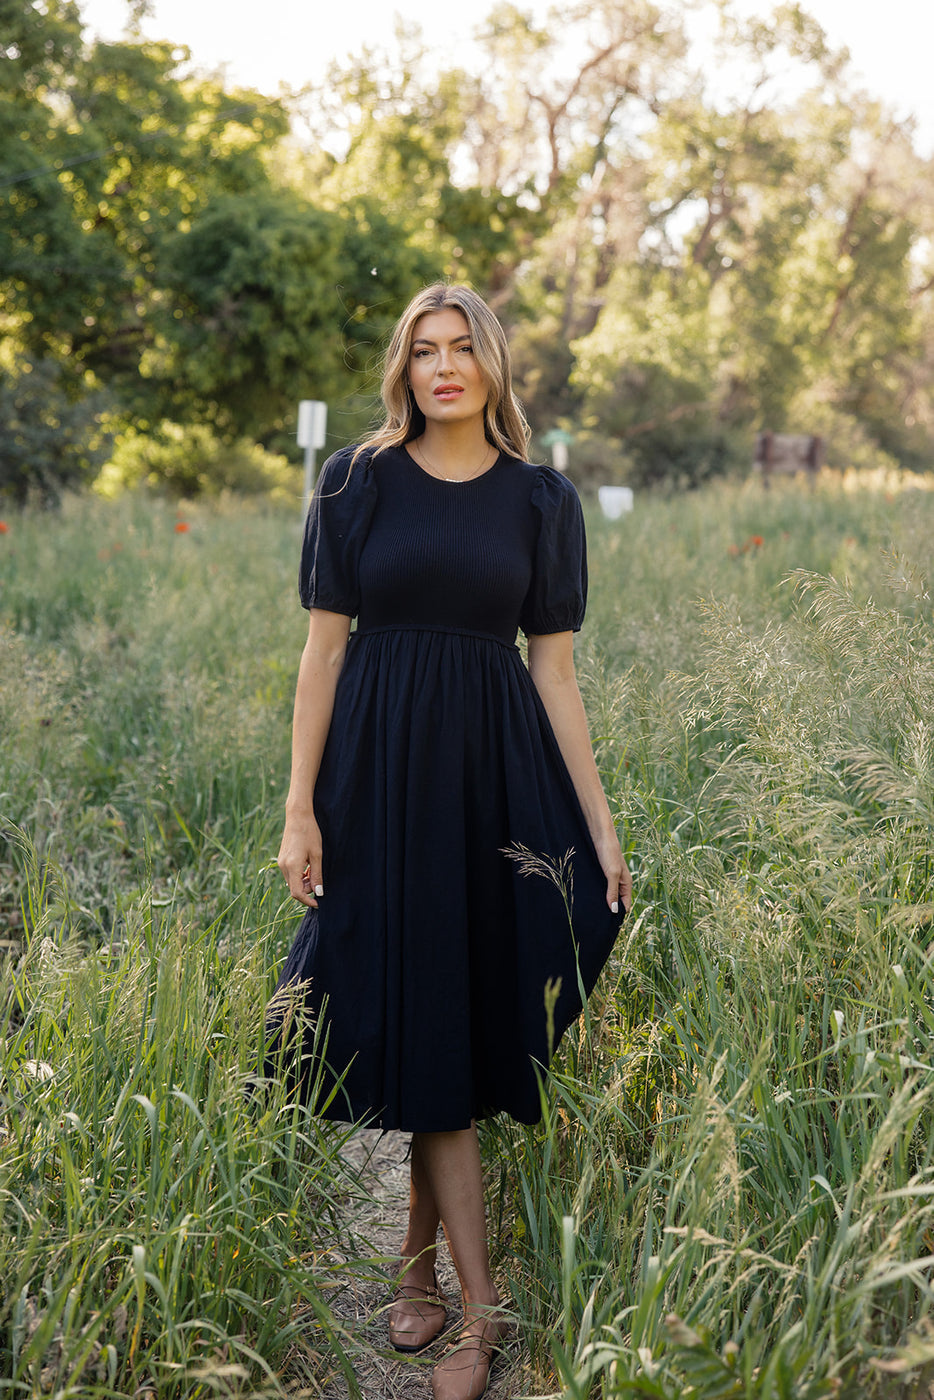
[48, 442]
[675, 456]
[189, 460]
[685, 454]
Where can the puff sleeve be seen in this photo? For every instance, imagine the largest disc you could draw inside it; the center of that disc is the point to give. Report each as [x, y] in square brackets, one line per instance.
[335, 532]
[557, 594]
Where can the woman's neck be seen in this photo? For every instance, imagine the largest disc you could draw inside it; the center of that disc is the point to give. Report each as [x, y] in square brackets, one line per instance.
[455, 448]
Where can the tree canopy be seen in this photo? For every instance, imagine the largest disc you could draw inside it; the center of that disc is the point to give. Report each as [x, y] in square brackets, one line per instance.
[677, 268]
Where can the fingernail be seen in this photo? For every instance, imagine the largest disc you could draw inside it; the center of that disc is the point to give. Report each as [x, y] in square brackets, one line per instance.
[319, 890]
[615, 907]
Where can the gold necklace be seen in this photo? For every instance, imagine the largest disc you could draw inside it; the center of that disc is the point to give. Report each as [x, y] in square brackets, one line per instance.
[460, 480]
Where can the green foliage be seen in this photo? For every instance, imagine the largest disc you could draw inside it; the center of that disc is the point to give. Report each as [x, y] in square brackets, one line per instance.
[115, 151]
[144, 246]
[402, 132]
[49, 442]
[260, 289]
[677, 269]
[191, 461]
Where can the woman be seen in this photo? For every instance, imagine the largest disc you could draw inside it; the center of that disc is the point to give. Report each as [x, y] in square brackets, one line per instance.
[445, 823]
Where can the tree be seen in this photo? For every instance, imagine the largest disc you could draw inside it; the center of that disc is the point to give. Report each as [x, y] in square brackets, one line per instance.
[123, 150]
[268, 300]
[774, 283]
[46, 258]
[399, 136]
[145, 245]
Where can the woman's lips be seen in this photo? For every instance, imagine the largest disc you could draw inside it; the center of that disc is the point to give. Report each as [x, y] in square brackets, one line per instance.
[448, 391]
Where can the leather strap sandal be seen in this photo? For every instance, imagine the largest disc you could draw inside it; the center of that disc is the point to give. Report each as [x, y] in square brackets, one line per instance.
[463, 1373]
[417, 1316]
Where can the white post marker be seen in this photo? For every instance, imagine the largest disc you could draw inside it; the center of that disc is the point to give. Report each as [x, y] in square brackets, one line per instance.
[615, 500]
[312, 429]
[559, 441]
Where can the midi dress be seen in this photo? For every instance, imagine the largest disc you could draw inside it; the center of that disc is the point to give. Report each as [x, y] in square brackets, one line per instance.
[464, 916]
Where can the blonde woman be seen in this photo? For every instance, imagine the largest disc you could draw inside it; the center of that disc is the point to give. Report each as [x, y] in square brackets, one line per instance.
[429, 765]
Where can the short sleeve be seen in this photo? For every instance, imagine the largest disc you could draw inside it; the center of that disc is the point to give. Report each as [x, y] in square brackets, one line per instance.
[335, 531]
[557, 595]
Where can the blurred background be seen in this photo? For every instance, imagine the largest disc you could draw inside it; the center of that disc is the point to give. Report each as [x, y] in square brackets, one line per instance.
[698, 221]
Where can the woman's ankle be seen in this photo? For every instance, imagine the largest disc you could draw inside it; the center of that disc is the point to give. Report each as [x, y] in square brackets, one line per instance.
[417, 1268]
[482, 1303]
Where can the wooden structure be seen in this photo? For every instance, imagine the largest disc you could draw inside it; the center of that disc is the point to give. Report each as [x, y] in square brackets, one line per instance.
[788, 454]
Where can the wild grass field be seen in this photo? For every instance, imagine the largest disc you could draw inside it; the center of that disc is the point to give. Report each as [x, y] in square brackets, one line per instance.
[733, 1190]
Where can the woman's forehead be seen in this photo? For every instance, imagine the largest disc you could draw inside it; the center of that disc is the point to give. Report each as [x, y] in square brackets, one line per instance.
[441, 326]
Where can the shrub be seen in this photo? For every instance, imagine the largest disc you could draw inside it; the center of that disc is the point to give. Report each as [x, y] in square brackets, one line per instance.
[685, 454]
[188, 459]
[48, 442]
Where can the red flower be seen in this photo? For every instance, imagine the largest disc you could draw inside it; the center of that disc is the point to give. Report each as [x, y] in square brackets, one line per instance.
[4, 527]
[182, 527]
[758, 541]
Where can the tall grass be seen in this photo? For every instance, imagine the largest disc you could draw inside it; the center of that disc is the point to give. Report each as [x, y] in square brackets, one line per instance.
[731, 1193]
[735, 1194]
[163, 1233]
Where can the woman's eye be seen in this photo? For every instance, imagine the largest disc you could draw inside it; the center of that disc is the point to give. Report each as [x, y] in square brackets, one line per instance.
[468, 348]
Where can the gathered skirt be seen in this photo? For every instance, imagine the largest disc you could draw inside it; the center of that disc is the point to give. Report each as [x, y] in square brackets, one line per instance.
[464, 917]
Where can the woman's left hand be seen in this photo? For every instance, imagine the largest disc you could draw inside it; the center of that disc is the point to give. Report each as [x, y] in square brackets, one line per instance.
[618, 878]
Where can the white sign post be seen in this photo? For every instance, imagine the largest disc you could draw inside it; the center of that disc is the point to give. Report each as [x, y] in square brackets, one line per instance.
[312, 428]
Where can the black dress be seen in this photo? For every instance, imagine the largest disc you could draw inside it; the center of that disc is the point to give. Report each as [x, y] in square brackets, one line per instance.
[441, 784]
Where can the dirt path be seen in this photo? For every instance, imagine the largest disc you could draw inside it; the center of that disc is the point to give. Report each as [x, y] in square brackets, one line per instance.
[384, 1374]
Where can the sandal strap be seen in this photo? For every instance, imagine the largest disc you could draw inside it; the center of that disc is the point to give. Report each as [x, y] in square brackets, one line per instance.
[415, 1294]
[420, 1293]
[467, 1340]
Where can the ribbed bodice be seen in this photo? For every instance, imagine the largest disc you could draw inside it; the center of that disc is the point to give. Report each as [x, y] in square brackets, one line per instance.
[457, 555]
[394, 547]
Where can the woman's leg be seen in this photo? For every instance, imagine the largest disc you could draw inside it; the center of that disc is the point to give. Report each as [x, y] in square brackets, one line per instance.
[417, 1314]
[418, 1247]
[454, 1174]
[452, 1165]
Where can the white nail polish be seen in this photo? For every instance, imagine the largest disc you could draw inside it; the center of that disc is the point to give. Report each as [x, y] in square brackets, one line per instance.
[615, 907]
[319, 890]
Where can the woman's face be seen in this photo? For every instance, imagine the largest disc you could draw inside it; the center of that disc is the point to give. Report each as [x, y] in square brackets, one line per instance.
[443, 372]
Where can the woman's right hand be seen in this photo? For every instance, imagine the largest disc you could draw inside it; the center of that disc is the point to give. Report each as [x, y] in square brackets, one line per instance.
[299, 859]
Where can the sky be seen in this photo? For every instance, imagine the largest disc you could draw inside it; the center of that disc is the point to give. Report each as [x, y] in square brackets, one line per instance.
[265, 43]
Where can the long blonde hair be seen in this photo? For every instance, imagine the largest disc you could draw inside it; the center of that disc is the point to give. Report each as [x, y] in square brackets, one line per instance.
[504, 422]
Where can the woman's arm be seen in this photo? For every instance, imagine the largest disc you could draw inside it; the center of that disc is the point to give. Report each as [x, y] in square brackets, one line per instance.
[300, 853]
[551, 665]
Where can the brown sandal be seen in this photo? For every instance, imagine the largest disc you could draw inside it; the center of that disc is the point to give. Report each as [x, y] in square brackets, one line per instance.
[417, 1316]
[463, 1373]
